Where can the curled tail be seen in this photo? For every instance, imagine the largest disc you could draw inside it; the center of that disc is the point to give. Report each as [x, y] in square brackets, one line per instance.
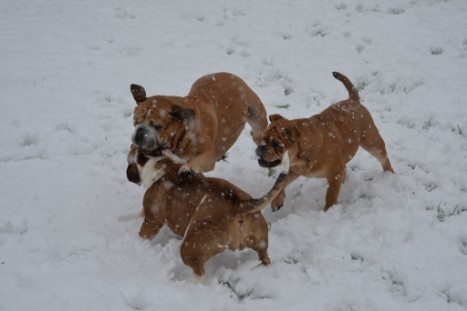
[353, 94]
[255, 205]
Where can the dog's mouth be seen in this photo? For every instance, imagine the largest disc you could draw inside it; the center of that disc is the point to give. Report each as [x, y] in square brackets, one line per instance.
[264, 163]
[157, 152]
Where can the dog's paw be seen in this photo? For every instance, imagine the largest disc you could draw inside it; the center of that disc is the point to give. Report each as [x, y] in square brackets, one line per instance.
[278, 202]
[276, 208]
[195, 279]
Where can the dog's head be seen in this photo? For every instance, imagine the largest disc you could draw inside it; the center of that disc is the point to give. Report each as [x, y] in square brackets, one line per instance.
[144, 170]
[135, 160]
[159, 122]
[280, 136]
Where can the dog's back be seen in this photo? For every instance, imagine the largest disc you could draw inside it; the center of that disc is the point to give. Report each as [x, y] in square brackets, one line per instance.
[348, 119]
[232, 99]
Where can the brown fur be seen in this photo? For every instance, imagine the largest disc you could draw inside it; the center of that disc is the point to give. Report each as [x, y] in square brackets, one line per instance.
[202, 126]
[320, 146]
[211, 214]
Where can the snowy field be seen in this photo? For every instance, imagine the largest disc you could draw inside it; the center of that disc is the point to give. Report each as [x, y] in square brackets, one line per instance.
[68, 226]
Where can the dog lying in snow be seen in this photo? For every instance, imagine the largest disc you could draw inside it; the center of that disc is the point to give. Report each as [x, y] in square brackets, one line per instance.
[320, 146]
[210, 214]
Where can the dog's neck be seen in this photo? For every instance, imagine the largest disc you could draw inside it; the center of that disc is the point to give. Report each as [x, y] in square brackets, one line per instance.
[311, 145]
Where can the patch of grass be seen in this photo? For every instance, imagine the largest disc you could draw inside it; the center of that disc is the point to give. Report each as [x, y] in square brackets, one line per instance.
[291, 260]
[443, 214]
[436, 50]
[240, 297]
[284, 106]
[396, 11]
[460, 131]
[361, 84]
[271, 172]
[224, 158]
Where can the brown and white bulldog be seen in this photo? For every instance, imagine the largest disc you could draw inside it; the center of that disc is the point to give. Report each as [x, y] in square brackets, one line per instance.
[201, 126]
[210, 214]
[320, 146]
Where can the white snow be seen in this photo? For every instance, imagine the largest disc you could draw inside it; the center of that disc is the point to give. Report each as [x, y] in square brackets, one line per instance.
[394, 242]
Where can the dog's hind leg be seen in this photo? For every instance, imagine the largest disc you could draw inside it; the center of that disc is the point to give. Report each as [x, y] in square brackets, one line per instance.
[374, 144]
[196, 263]
[259, 239]
[150, 227]
[200, 245]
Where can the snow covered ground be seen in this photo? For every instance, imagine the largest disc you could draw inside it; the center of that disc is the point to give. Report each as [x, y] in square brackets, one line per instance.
[68, 231]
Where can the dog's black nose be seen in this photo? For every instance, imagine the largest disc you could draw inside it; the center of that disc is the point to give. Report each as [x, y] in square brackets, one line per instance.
[261, 150]
[139, 136]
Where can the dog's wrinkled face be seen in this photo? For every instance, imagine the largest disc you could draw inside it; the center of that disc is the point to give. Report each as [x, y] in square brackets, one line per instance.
[277, 139]
[159, 124]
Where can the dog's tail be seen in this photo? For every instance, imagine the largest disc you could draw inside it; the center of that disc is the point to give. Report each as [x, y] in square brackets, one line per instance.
[255, 205]
[353, 94]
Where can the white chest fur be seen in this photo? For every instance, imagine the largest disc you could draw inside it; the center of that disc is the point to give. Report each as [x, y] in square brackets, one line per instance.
[149, 173]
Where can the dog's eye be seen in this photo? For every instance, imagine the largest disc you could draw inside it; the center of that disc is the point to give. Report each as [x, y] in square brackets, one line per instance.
[276, 145]
[155, 126]
[137, 121]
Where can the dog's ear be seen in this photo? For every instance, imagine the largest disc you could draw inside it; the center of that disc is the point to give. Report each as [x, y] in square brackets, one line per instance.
[138, 92]
[132, 173]
[290, 133]
[275, 117]
[182, 113]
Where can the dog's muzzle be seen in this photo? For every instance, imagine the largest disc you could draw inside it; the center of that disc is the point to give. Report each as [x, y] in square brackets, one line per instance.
[263, 163]
[146, 140]
[261, 150]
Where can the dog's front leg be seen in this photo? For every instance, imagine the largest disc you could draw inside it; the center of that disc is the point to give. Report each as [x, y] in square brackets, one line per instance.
[154, 215]
[150, 228]
[203, 162]
[278, 202]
